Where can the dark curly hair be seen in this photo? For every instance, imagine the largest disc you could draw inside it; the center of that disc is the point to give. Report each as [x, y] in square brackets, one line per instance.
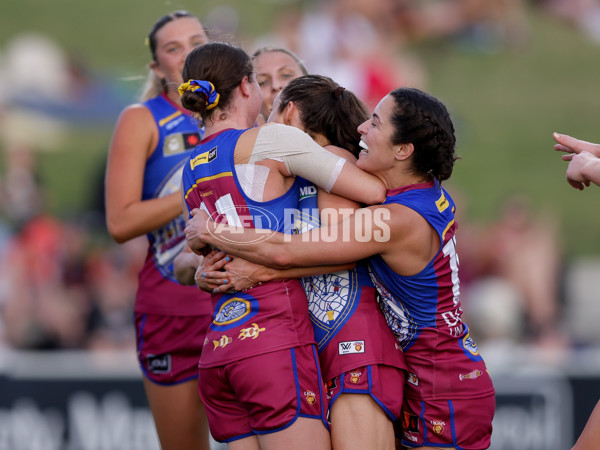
[224, 65]
[424, 121]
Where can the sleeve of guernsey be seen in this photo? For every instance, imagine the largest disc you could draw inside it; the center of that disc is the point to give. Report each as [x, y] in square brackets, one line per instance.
[301, 155]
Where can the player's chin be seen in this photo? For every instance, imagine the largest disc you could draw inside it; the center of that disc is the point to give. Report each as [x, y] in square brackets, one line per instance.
[362, 160]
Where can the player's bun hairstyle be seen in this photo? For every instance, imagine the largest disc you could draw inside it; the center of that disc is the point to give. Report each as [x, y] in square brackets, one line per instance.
[326, 108]
[222, 64]
[424, 121]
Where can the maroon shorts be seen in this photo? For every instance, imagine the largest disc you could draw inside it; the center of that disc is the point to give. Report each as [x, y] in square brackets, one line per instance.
[169, 347]
[465, 424]
[263, 394]
[385, 385]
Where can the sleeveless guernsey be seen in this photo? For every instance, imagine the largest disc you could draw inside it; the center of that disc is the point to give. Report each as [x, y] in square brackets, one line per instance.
[270, 316]
[424, 310]
[158, 291]
[349, 327]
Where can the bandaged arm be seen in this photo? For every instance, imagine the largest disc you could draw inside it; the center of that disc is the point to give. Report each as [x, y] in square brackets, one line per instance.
[303, 157]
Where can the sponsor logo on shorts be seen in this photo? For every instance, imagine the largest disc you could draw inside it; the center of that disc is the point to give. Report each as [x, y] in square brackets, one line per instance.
[350, 347]
[410, 423]
[224, 341]
[159, 363]
[355, 377]
[250, 332]
[311, 398]
[471, 375]
[412, 379]
[437, 426]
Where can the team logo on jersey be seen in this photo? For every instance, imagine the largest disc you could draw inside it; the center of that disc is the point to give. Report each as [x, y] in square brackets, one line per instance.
[350, 347]
[413, 379]
[250, 332]
[470, 347]
[234, 311]
[204, 158]
[310, 396]
[159, 363]
[223, 342]
[355, 377]
[471, 375]
[438, 426]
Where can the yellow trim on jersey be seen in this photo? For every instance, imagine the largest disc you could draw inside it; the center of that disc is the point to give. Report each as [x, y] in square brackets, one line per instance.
[447, 228]
[212, 177]
[161, 122]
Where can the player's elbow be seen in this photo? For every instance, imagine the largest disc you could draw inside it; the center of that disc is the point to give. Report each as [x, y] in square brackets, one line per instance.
[378, 195]
[280, 259]
[119, 233]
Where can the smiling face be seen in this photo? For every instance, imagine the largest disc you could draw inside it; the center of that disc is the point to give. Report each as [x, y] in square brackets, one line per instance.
[378, 153]
[173, 43]
[274, 70]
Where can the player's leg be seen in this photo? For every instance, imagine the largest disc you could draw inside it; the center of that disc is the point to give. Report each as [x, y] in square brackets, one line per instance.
[247, 443]
[303, 434]
[179, 415]
[364, 404]
[357, 421]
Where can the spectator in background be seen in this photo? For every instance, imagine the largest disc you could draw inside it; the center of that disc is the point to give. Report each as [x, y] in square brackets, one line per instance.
[338, 39]
[524, 250]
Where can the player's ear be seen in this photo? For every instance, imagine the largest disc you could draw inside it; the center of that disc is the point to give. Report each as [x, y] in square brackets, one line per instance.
[403, 151]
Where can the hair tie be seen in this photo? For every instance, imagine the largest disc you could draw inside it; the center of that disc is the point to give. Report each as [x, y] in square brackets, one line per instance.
[338, 92]
[207, 89]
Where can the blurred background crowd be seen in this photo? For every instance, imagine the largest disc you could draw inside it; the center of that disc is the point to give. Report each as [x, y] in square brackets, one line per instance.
[65, 285]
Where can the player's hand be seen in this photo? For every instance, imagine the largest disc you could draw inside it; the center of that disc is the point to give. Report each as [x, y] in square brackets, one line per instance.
[571, 145]
[196, 226]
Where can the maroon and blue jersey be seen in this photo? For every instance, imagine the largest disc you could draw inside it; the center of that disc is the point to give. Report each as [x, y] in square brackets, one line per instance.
[270, 316]
[424, 310]
[158, 291]
[349, 327]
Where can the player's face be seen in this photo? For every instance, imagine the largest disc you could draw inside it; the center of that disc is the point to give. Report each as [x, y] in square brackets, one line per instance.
[274, 70]
[377, 154]
[174, 41]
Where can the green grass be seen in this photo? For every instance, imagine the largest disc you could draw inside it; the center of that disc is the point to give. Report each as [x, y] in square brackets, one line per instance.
[505, 105]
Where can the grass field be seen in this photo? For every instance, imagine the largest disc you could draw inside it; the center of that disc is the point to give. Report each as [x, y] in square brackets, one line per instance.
[505, 104]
